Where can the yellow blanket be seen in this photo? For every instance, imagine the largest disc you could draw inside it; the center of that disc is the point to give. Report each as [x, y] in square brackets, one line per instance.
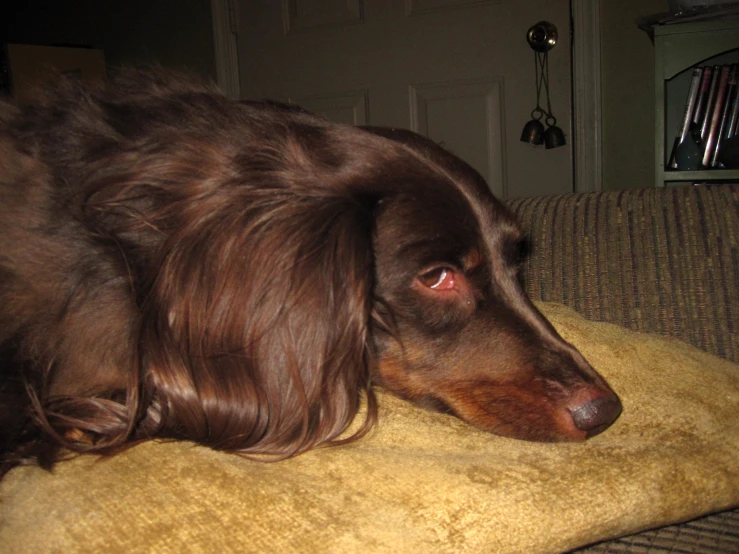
[421, 482]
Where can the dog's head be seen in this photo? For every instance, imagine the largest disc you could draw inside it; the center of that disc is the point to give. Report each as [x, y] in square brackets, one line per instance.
[453, 328]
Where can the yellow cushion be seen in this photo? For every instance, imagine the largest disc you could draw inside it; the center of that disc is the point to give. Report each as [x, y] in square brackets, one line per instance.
[421, 482]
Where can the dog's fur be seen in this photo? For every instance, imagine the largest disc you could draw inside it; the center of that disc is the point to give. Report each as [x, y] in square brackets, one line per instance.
[177, 264]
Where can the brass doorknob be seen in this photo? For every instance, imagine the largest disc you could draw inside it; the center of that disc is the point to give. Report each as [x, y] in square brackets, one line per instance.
[542, 36]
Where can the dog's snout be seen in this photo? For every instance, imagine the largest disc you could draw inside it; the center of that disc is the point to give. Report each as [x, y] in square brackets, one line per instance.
[597, 415]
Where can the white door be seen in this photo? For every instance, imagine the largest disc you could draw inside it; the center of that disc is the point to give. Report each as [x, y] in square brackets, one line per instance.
[458, 71]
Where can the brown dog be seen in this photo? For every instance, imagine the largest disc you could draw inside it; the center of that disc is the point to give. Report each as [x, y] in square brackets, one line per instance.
[177, 264]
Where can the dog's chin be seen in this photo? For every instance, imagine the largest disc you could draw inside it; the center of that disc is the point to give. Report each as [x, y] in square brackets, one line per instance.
[559, 426]
[576, 421]
[585, 414]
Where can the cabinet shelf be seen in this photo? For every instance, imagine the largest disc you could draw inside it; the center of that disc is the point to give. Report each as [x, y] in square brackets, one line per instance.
[703, 175]
[679, 47]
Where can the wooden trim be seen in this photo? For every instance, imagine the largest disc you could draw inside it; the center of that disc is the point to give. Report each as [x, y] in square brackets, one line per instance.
[225, 39]
[586, 95]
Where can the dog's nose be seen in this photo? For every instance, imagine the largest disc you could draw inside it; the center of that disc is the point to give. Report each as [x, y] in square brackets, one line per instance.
[597, 415]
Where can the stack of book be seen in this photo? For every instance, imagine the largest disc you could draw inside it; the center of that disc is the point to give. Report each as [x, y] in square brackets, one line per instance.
[710, 118]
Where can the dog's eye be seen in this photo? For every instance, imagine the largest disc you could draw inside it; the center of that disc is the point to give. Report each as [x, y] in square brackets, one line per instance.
[439, 278]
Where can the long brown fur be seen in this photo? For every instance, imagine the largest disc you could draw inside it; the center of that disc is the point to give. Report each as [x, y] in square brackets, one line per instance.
[176, 264]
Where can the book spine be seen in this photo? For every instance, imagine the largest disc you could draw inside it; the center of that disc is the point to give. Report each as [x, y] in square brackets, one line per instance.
[691, 102]
[715, 115]
[706, 123]
[731, 125]
[724, 123]
[690, 105]
[700, 107]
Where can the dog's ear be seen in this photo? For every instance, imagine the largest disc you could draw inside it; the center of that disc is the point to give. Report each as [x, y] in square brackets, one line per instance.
[255, 334]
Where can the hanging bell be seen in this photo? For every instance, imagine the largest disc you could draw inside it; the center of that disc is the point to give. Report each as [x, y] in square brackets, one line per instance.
[533, 131]
[553, 136]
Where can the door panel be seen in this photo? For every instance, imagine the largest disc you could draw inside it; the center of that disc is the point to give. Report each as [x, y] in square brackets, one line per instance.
[459, 71]
[304, 14]
[415, 7]
[467, 118]
[344, 107]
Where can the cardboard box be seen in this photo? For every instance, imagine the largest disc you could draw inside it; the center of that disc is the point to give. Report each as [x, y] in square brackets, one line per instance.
[31, 65]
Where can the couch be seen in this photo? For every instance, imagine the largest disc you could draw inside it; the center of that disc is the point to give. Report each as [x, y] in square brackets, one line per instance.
[660, 260]
[661, 264]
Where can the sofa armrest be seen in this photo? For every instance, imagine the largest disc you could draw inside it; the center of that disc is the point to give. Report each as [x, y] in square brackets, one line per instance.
[663, 260]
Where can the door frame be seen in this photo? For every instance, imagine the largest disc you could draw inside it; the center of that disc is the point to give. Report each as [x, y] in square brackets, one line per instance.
[586, 81]
[587, 119]
[225, 39]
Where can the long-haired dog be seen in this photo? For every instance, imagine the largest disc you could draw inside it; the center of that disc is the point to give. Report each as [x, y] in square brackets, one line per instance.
[177, 264]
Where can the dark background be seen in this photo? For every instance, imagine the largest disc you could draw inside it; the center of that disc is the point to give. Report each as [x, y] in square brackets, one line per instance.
[174, 33]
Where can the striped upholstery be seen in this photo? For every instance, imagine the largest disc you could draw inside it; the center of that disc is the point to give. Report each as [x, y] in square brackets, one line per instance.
[716, 534]
[662, 260]
[658, 260]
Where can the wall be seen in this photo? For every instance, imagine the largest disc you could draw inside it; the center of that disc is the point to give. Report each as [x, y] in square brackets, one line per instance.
[178, 33]
[627, 58]
[175, 33]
